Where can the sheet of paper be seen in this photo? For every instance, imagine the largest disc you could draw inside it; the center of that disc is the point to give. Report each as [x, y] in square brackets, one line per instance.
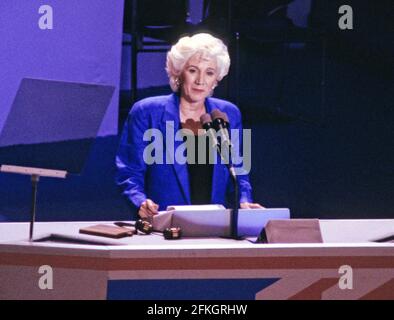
[203, 207]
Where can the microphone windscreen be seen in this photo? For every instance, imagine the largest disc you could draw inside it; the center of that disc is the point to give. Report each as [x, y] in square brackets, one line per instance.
[224, 117]
[216, 114]
[205, 118]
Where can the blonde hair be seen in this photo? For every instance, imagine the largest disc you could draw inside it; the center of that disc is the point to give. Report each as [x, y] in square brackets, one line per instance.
[186, 47]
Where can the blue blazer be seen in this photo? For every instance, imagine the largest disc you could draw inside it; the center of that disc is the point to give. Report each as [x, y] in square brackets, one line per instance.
[168, 184]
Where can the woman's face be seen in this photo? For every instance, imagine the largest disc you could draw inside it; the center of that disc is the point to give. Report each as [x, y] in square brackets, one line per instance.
[198, 78]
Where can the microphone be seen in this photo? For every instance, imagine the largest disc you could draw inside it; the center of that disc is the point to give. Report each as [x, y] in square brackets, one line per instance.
[221, 125]
[206, 122]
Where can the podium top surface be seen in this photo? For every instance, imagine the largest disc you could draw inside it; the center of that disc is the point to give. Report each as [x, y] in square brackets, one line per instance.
[353, 235]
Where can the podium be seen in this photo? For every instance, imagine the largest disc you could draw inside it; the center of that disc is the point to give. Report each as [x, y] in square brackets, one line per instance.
[145, 267]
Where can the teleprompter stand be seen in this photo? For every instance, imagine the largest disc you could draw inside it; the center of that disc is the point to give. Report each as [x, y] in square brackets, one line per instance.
[35, 174]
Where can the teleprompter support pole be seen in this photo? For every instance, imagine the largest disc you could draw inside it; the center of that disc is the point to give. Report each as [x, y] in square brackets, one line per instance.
[34, 186]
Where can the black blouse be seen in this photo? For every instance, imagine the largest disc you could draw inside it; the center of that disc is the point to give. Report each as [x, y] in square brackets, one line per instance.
[200, 174]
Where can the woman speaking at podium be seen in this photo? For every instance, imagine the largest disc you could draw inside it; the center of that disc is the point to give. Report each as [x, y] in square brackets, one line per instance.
[194, 65]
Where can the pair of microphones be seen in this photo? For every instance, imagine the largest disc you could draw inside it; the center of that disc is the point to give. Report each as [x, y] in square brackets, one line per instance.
[216, 124]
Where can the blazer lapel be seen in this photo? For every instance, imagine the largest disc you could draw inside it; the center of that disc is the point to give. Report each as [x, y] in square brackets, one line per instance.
[171, 123]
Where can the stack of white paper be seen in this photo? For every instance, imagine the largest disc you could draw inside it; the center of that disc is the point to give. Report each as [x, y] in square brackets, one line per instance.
[214, 220]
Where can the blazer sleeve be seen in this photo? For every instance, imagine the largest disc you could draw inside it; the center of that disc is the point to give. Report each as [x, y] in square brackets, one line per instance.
[131, 167]
[245, 188]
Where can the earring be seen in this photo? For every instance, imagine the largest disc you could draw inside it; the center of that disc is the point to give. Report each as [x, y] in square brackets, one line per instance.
[177, 82]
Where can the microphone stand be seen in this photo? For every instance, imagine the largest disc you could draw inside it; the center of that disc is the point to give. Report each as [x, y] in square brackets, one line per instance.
[234, 212]
[233, 175]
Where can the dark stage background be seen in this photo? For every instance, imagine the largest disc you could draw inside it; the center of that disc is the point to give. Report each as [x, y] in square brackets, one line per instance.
[322, 150]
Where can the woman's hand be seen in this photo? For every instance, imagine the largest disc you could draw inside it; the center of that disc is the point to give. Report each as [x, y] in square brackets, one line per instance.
[148, 209]
[249, 205]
